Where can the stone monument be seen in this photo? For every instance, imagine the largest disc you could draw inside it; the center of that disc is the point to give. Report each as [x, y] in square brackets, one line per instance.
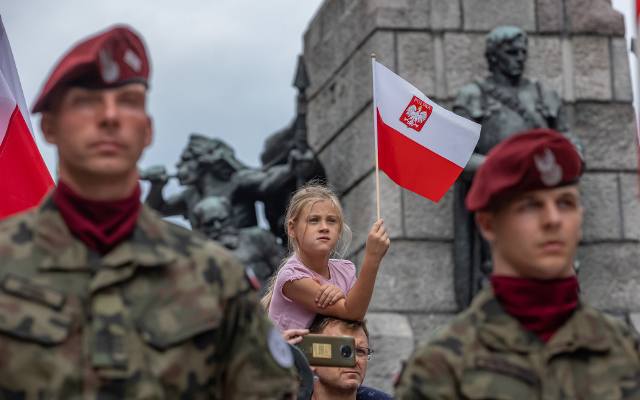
[208, 168]
[504, 103]
[576, 47]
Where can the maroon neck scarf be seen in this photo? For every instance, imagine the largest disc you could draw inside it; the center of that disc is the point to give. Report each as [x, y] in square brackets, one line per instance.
[541, 306]
[101, 225]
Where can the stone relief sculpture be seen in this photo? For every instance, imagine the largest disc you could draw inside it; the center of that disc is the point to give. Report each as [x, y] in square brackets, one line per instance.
[208, 168]
[504, 103]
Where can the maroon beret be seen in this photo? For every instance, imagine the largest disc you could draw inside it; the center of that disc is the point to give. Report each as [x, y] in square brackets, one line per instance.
[108, 59]
[531, 160]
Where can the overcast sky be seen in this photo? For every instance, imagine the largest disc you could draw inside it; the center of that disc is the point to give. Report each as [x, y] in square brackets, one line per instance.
[219, 67]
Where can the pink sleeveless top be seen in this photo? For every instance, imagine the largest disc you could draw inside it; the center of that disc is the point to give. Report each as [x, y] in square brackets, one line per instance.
[284, 312]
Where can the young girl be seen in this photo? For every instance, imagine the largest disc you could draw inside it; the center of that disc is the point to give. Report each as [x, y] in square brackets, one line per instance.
[310, 282]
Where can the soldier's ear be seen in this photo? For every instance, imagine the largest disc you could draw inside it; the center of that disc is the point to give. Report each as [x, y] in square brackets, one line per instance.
[148, 132]
[47, 125]
[485, 224]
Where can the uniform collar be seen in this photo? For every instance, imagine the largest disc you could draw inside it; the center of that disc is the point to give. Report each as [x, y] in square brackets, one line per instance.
[585, 329]
[148, 246]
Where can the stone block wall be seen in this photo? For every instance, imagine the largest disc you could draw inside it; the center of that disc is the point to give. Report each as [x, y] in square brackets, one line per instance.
[576, 47]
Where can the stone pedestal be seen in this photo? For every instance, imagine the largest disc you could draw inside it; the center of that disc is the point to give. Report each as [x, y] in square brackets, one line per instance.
[576, 47]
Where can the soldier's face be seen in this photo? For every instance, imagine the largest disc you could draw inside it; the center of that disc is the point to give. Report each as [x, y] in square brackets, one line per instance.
[536, 234]
[510, 57]
[338, 379]
[317, 229]
[99, 132]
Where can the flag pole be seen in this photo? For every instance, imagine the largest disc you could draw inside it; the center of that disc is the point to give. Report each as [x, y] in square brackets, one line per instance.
[375, 133]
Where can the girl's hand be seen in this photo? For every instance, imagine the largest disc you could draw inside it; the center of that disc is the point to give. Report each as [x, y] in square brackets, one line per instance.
[293, 336]
[328, 295]
[377, 241]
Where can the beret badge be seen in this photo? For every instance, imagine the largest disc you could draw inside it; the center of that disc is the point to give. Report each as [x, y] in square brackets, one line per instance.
[549, 169]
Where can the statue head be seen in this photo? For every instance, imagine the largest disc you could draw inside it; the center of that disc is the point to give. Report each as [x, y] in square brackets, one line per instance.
[506, 51]
[204, 155]
[213, 216]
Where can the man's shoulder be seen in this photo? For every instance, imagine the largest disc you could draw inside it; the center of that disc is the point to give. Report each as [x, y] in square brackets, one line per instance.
[17, 230]
[369, 393]
[460, 335]
[218, 266]
[614, 327]
[470, 90]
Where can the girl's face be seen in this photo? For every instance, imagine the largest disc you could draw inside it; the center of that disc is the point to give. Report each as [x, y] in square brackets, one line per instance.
[317, 229]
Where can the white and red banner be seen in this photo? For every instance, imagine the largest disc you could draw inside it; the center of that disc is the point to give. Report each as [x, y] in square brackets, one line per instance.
[24, 177]
[421, 146]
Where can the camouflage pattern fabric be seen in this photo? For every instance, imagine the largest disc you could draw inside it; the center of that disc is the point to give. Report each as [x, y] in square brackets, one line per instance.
[165, 315]
[486, 354]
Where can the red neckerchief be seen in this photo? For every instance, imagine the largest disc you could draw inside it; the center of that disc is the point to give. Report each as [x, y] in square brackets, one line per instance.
[541, 306]
[101, 225]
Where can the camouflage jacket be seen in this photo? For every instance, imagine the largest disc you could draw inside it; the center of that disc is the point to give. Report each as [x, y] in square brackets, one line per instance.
[164, 315]
[486, 354]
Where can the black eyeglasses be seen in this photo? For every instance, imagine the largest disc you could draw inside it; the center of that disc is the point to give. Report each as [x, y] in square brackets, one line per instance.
[363, 352]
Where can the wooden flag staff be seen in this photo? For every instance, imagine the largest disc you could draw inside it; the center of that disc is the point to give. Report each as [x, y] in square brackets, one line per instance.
[375, 133]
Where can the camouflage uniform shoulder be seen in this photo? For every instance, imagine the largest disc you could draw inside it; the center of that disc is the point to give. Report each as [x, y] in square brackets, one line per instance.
[217, 265]
[17, 222]
[453, 339]
[620, 332]
[16, 232]
[435, 368]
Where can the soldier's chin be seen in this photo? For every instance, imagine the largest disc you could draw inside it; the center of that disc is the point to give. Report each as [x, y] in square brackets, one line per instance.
[554, 270]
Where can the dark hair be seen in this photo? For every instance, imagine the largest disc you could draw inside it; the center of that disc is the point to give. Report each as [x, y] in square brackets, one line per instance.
[321, 322]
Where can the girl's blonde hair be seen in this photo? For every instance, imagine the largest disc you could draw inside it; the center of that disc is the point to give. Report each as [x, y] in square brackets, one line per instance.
[309, 194]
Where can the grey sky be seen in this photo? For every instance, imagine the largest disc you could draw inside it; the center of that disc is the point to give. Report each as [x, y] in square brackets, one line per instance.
[219, 67]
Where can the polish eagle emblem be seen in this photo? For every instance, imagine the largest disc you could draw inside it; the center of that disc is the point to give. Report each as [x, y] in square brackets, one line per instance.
[549, 169]
[416, 114]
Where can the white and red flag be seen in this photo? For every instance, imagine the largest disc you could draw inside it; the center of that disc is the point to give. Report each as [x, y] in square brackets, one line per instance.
[24, 177]
[421, 146]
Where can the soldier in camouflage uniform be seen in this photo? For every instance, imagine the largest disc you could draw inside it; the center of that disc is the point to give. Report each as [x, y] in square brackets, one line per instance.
[100, 298]
[528, 335]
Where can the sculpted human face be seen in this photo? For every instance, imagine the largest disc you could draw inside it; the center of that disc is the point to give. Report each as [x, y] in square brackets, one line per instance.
[187, 169]
[317, 229]
[347, 379]
[510, 58]
[536, 234]
[99, 132]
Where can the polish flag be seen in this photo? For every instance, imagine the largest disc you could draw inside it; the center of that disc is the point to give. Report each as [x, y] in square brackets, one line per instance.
[421, 146]
[24, 177]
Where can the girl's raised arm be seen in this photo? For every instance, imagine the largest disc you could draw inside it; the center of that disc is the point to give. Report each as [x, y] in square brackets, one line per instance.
[356, 303]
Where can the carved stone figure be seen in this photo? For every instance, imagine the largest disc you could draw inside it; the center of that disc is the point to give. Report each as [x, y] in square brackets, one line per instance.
[504, 103]
[208, 167]
[255, 247]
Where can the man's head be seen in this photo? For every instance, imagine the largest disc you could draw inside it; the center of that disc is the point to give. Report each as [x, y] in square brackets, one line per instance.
[338, 379]
[528, 205]
[93, 107]
[506, 51]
